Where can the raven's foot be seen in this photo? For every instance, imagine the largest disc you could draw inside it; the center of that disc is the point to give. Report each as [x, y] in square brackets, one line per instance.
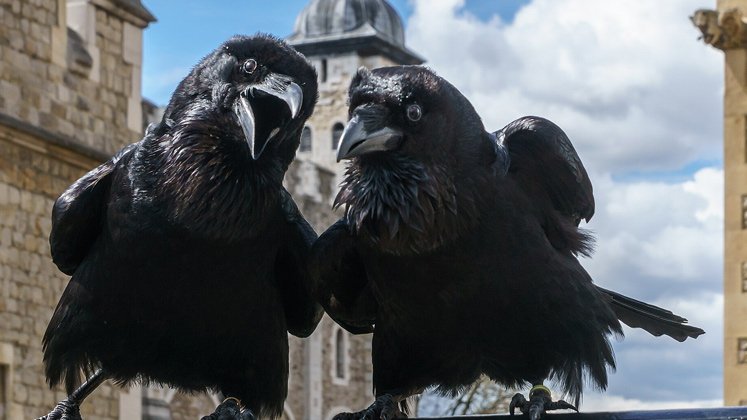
[65, 410]
[539, 403]
[230, 409]
[69, 408]
[385, 407]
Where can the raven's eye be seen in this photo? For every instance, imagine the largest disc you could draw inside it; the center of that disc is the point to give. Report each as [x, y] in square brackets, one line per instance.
[414, 112]
[249, 66]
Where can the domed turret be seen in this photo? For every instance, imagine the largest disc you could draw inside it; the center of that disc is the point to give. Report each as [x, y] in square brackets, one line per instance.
[338, 37]
[366, 26]
[323, 18]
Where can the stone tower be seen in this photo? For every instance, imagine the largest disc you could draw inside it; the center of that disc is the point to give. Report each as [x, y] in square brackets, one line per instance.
[726, 29]
[339, 36]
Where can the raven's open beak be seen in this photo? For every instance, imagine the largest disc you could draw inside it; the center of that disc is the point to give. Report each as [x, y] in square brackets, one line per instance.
[366, 132]
[263, 108]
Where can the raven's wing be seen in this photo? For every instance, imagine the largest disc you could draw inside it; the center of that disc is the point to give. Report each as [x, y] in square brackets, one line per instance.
[545, 164]
[542, 160]
[302, 313]
[655, 320]
[78, 214]
[340, 281]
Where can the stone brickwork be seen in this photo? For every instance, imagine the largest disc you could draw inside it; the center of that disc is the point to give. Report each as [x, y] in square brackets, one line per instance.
[32, 174]
[726, 29]
[735, 201]
[297, 384]
[313, 391]
[63, 109]
[354, 392]
[68, 100]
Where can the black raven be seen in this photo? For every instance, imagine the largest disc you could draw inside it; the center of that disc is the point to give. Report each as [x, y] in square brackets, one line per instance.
[187, 255]
[458, 250]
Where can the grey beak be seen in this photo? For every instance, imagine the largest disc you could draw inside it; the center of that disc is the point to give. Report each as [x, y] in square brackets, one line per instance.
[277, 85]
[358, 140]
[243, 110]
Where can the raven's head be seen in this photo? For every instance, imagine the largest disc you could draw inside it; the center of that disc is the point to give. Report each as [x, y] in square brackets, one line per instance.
[409, 111]
[412, 139]
[267, 86]
[230, 131]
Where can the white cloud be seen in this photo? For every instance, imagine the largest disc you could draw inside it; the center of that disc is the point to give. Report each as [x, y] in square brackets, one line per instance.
[709, 184]
[637, 93]
[628, 81]
[671, 233]
[617, 403]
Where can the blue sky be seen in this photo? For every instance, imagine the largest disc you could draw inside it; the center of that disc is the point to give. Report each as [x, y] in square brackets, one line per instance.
[187, 32]
[637, 93]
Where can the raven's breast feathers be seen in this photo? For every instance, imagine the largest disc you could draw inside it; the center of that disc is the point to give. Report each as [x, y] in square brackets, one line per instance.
[206, 185]
[403, 206]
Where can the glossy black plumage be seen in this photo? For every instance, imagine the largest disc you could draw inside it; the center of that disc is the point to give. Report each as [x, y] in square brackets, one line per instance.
[187, 255]
[458, 247]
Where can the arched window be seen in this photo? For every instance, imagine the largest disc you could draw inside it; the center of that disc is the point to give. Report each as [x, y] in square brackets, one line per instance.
[340, 355]
[337, 130]
[323, 71]
[4, 390]
[305, 140]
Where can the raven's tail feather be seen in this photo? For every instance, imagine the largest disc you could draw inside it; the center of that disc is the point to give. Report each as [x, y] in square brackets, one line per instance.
[655, 320]
[64, 361]
[65, 341]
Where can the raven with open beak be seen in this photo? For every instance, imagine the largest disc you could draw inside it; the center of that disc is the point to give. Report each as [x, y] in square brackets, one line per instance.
[187, 255]
[266, 95]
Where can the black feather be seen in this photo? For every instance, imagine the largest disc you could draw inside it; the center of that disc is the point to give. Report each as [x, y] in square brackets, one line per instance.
[462, 247]
[656, 321]
[188, 258]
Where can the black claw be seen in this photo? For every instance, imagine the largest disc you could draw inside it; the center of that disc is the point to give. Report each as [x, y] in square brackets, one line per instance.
[539, 403]
[65, 410]
[560, 405]
[230, 410]
[384, 408]
[517, 400]
[69, 408]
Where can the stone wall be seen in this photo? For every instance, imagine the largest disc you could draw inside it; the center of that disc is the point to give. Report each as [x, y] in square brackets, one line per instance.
[297, 383]
[32, 174]
[63, 109]
[354, 392]
[725, 29]
[40, 87]
[313, 188]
